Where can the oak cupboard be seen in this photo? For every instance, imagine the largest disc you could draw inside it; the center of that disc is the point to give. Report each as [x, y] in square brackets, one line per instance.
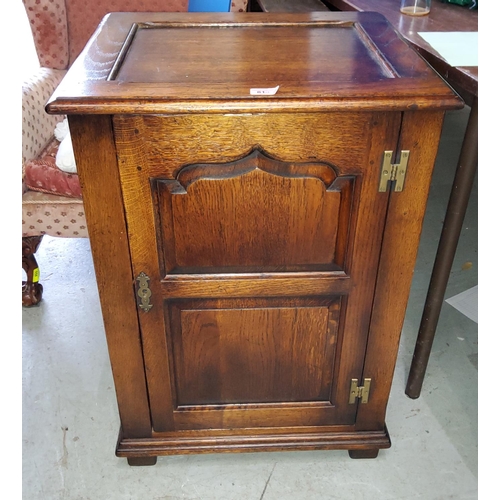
[254, 186]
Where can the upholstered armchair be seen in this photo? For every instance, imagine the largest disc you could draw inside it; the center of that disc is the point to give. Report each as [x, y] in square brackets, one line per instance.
[52, 199]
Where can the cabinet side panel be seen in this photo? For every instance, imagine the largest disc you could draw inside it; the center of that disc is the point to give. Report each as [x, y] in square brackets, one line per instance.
[420, 135]
[95, 155]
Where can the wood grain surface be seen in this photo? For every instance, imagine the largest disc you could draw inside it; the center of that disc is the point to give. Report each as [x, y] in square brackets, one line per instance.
[248, 266]
[178, 62]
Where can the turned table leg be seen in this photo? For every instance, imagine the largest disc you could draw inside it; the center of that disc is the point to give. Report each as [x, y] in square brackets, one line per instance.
[455, 213]
[32, 289]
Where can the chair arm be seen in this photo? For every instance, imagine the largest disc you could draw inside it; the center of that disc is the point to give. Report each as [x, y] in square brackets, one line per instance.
[38, 126]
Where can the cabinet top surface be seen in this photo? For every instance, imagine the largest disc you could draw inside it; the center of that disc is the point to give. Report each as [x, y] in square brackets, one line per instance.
[217, 62]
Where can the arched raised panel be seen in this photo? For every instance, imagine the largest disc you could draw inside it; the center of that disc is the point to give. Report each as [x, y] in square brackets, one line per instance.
[256, 214]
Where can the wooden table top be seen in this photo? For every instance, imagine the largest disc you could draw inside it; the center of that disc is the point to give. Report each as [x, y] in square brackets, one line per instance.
[236, 62]
[443, 17]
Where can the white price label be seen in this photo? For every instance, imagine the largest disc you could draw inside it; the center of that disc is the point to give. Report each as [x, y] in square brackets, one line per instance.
[264, 91]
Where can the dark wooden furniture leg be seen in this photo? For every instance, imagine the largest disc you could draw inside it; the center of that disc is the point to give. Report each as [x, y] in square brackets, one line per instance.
[141, 461]
[455, 213]
[363, 453]
[32, 289]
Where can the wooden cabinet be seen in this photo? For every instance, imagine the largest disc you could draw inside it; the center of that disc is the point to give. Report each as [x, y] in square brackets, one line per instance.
[253, 245]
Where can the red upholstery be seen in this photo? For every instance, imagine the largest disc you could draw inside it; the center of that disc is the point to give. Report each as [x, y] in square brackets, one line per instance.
[49, 26]
[61, 28]
[85, 15]
[42, 174]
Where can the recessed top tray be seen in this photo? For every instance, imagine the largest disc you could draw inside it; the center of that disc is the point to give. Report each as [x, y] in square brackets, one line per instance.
[172, 62]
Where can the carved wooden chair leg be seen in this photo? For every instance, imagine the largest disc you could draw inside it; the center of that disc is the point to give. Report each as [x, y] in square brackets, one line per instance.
[32, 289]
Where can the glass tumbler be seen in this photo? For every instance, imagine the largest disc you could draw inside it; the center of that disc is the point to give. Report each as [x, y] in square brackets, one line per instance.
[415, 7]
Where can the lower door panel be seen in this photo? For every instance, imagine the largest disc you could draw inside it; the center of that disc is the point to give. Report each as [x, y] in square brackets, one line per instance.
[234, 361]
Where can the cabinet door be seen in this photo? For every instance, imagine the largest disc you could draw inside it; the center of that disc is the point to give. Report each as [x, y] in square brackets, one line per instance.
[255, 240]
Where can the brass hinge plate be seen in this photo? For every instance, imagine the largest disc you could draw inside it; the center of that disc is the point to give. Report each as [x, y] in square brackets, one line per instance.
[395, 172]
[361, 392]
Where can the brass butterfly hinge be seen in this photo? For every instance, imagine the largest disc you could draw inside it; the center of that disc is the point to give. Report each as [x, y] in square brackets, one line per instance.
[361, 392]
[395, 172]
[144, 292]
